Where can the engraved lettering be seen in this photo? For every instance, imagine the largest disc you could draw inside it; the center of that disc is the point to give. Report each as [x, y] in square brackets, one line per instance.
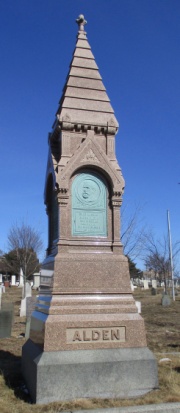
[95, 335]
[77, 336]
[105, 334]
[85, 338]
[115, 334]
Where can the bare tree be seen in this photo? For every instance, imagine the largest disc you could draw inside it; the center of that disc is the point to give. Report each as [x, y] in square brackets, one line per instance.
[157, 257]
[133, 232]
[24, 244]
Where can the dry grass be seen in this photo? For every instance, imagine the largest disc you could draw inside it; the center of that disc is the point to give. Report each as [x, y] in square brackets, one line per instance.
[162, 326]
[162, 323]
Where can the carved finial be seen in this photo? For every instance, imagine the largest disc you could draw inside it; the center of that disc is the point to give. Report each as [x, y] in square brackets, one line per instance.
[81, 22]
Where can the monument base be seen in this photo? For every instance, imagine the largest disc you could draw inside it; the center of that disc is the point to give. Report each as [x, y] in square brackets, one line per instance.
[102, 373]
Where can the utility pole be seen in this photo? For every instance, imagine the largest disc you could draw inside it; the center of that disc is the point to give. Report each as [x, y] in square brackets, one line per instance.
[170, 255]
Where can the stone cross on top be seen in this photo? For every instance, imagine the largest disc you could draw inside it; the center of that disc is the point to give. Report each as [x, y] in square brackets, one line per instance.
[81, 22]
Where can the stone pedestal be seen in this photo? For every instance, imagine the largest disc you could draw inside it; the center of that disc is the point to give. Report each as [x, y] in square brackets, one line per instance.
[74, 322]
[121, 373]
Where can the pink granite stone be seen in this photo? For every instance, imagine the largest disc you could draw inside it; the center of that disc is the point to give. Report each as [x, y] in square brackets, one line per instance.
[90, 304]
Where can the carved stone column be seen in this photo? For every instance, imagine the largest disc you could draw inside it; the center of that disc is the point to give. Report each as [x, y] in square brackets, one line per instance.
[116, 204]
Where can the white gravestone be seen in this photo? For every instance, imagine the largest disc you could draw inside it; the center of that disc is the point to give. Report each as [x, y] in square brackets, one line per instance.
[13, 280]
[146, 286]
[1, 279]
[36, 283]
[138, 305]
[154, 284]
[3, 289]
[23, 308]
[26, 292]
[132, 286]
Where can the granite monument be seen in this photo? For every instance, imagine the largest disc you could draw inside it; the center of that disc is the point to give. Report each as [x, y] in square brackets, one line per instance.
[86, 336]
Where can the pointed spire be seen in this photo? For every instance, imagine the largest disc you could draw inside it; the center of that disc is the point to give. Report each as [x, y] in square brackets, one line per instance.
[84, 99]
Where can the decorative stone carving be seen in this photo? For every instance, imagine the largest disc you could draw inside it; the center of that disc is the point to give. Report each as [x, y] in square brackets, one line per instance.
[90, 156]
[81, 22]
[63, 190]
[111, 127]
[66, 122]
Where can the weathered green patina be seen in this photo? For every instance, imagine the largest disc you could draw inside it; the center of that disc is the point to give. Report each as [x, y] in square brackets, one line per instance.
[89, 206]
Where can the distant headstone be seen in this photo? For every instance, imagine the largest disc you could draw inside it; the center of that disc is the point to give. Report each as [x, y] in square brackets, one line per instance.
[1, 279]
[3, 289]
[27, 329]
[153, 291]
[132, 286]
[46, 278]
[154, 283]
[36, 282]
[138, 305]
[23, 308]
[26, 293]
[146, 286]
[28, 290]
[30, 306]
[166, 300]
[13, 280]
[6, 319]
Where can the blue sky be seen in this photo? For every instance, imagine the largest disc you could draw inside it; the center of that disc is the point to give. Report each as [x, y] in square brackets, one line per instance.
[136, 44]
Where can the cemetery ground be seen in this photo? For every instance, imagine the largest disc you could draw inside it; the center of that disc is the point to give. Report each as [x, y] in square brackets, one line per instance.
[163, 336]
